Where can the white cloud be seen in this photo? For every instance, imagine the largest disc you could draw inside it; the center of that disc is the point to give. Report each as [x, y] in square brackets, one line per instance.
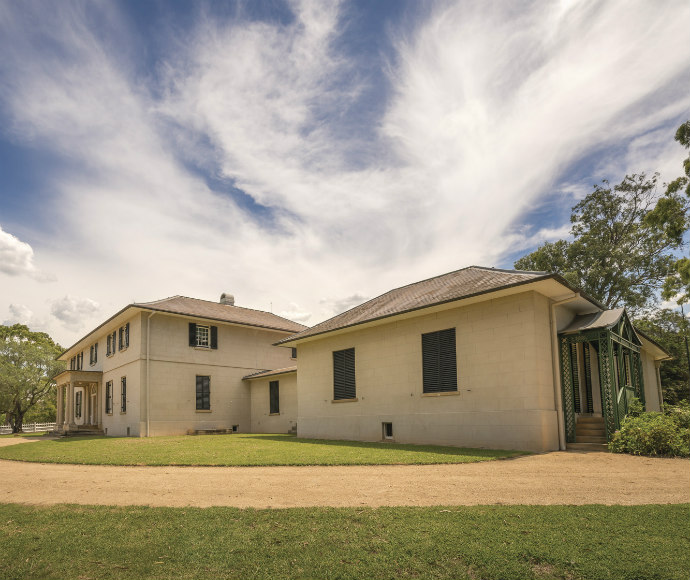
[296, 313]
[74, 312]
[19, 314]
[333, 306]
[16, 257]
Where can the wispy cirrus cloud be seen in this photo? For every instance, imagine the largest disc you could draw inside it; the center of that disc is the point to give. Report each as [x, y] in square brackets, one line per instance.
[237, 163]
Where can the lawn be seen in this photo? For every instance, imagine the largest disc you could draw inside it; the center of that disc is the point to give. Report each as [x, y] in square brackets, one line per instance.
[38, 434]
[238, 450]
[488, 542]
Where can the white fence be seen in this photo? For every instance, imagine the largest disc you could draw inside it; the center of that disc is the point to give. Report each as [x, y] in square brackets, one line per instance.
[29, 428]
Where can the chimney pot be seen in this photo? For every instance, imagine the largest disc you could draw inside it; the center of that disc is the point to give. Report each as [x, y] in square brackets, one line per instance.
[227, 299]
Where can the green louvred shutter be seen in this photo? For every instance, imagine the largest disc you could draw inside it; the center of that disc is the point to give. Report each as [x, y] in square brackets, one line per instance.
[214, 337]
[192, 334]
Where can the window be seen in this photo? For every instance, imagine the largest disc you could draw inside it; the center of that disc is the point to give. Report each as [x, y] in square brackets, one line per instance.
[344, 374]
[439, 367]
[77, 404]
[73, 363]
[387, 430]
[203, 393]
[294, 352]
[123, 395]
[93, 354]
[109, 398]
[274, 397]
[203, 336]
[110, 344]
[123, 341]
[77, 362]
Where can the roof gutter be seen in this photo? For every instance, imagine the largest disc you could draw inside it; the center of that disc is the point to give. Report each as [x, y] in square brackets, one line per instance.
[555, 363]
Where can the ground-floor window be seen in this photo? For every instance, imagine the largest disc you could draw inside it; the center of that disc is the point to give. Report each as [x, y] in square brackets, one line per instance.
[109, 398]
[344, 386]
[78, 404]
[439, 366]
[274, 397]
[203, 393]
[123, 395]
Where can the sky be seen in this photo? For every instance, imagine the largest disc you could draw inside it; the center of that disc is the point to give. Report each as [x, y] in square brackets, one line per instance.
[308, 155]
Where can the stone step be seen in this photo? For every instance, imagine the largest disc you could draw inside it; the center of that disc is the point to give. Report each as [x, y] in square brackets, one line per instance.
[587, 447]
[589, 439]
[589, 420]
[591, 431]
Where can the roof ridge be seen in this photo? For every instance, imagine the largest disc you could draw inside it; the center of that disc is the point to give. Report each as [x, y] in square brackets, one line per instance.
[210, 302]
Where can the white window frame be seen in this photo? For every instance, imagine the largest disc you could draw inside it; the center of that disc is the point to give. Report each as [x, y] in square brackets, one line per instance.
[201, 341]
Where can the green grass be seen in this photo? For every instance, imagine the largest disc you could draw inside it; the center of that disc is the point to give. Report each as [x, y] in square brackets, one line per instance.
[39, 434]
[239, 450]
[488, 542]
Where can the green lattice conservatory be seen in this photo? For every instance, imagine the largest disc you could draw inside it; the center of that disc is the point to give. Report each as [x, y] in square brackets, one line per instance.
[601, 372]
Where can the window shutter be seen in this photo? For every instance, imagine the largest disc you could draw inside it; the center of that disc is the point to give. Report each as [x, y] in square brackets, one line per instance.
[576, 375]
[439, 365]
[119, 338]
[192, 334]
[274, 397]
[214, 337]
[344, 386]
[95, 353]
[91, 355]
[126, 335]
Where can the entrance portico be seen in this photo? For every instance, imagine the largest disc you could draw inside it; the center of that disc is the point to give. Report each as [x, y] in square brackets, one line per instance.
[79, 401]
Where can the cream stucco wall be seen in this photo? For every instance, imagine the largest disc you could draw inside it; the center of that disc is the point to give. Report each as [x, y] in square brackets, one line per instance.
[651, 388]
[262, 420]
[175, 365]
[505, 393]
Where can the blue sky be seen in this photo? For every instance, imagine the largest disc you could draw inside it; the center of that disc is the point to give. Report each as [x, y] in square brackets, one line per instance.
[305, 156]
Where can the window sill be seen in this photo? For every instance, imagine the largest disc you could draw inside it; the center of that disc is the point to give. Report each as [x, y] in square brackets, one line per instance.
[202, 348]
[109, 414]
[345, 400]
[203, 410]
[123, 412]
[443, 394]
[273, 414]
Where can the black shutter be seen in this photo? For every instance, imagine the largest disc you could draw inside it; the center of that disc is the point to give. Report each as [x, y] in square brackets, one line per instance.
[119, 338]
[439, 365]
[214, 337]
[192, 334]
[123, 395]
[91, 355]
[126, 335]
[95, 353]
[344, 386]
[274, 397]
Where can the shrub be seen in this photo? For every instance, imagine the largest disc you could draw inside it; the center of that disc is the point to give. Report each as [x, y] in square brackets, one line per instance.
[664, 434]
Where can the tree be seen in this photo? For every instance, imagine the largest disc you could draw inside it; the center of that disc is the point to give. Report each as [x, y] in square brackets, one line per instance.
[27, 365]
[667, 327]
[618, 255]
[677, 285]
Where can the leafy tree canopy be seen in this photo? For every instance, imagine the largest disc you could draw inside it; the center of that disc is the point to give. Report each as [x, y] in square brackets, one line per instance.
[27, 365]
[667, 327]
[678, 282]
[618, 255]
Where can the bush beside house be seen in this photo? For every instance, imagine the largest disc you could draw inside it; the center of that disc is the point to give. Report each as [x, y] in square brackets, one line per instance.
[664, 434]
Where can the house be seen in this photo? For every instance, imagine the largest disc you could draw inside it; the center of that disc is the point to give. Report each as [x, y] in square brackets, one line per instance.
[169, 367]
[479, 357]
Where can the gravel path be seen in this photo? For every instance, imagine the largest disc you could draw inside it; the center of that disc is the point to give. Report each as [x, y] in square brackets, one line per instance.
[553, 478]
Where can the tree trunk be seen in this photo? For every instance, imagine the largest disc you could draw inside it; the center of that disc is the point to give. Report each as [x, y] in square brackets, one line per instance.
[16, 420]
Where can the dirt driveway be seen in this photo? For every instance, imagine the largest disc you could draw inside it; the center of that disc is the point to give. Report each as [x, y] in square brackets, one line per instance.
[552, 478]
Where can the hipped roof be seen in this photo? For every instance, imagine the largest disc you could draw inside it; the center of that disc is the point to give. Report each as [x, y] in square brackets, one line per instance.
[464, 283]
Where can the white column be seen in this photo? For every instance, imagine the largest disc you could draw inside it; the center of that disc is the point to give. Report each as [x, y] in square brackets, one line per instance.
[70, 403]
[60, 406]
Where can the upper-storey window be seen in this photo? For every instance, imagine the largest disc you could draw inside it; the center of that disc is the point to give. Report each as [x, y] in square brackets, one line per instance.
[76, 363]
[93, 354]
[111, 341]
[203, 336]
[123, 341]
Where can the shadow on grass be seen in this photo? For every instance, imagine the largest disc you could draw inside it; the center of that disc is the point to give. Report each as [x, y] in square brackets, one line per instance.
[405, 447]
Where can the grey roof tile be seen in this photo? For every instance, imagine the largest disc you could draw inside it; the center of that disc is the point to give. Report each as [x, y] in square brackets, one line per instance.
[456, 285]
